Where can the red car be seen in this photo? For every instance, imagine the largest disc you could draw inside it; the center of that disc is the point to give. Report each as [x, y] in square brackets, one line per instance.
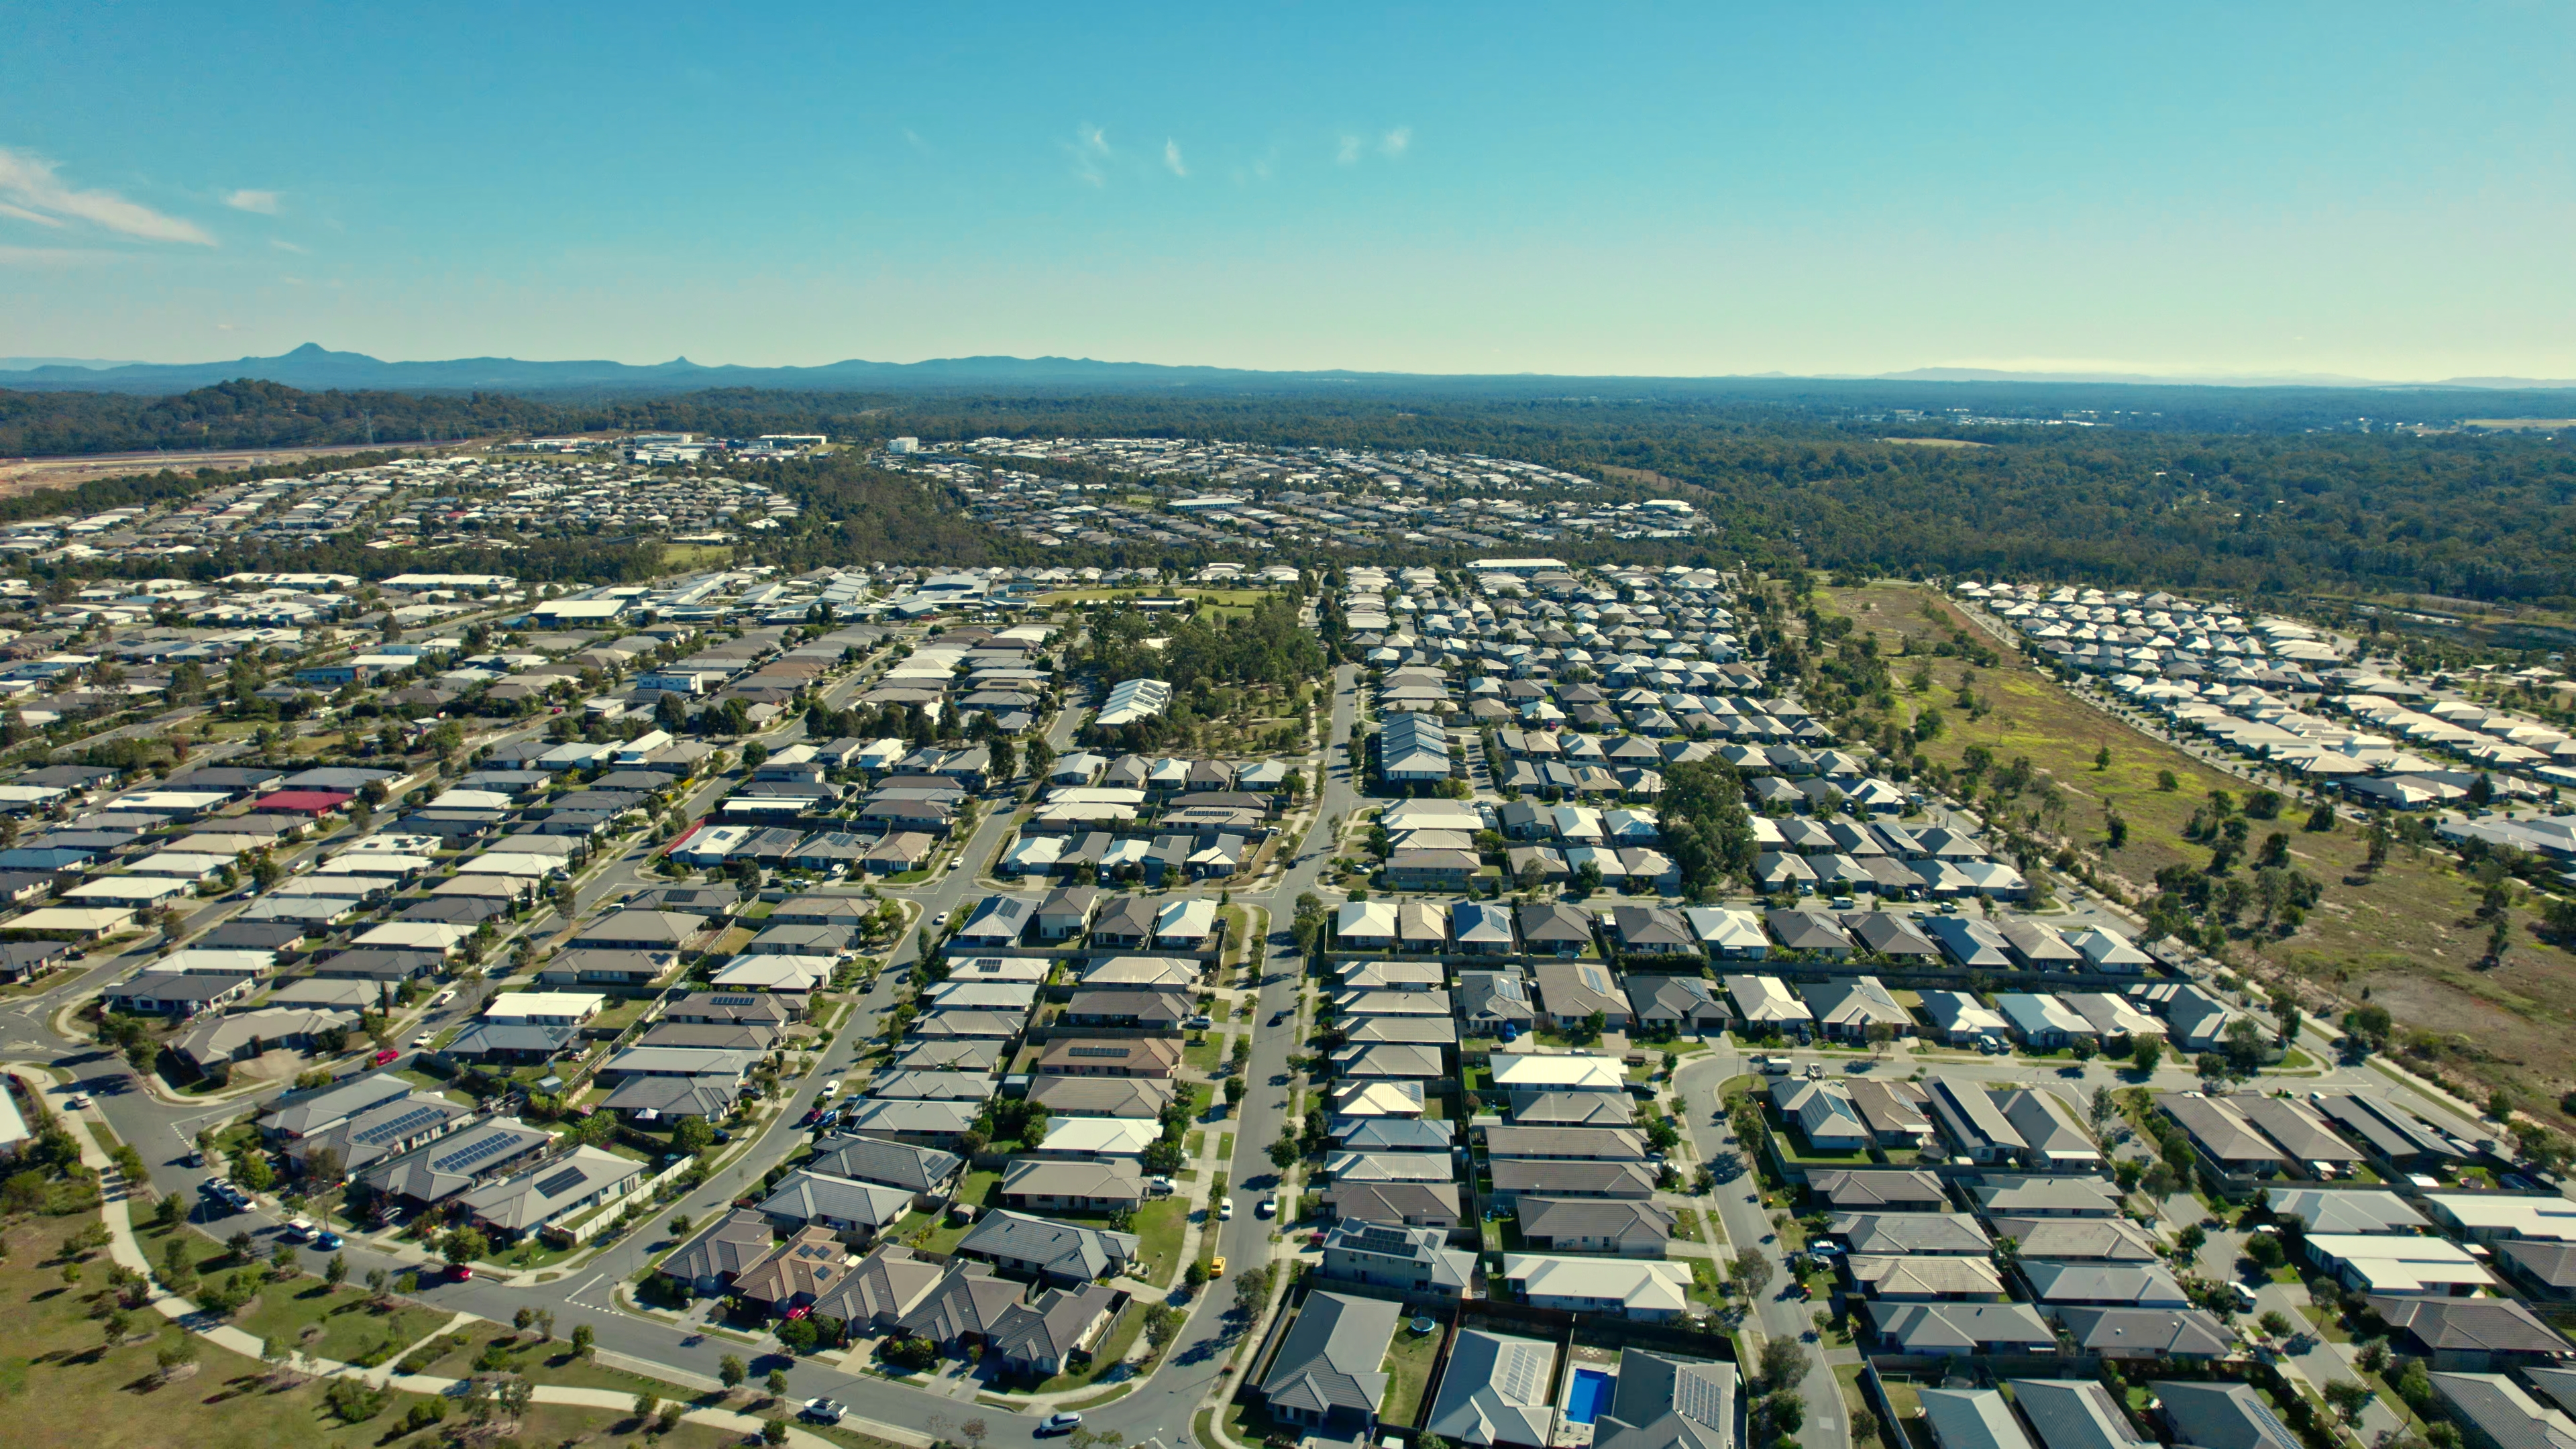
[460, 1271]
[382, 1057]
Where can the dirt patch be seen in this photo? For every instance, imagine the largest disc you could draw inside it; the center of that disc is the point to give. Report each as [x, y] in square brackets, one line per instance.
[25, 475]
[1936, 442]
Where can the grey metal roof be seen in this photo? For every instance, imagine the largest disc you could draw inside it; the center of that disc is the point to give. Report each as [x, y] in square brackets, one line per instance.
[891, 1164]
[1330, 1356]
[1495, 1388]
[2075, 1414]
[1972, 1419]
[727, 1246]
[2221, 1416]
[1065, 1249]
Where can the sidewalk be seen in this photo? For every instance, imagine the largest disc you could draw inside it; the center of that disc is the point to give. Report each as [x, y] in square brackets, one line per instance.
[127, 1253]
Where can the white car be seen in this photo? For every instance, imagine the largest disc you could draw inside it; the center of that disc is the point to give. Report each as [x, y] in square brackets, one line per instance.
[831, 1089]
[1268, 1208]
[423, 1040]
[1225, 1211]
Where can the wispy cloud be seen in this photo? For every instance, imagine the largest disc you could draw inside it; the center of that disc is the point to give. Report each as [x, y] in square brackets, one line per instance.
[263, 202]
[913, 138]
[1349, 150]
[52, 257]
[28, 184]
[1172, 158]
[23, 214]
[1088, 149]
[285, 246]
[1396, 142]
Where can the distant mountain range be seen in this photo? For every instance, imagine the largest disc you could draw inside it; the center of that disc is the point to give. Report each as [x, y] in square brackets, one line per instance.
[314, 367]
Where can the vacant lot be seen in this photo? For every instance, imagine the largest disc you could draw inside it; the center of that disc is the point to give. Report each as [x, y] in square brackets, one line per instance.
[2407, 933]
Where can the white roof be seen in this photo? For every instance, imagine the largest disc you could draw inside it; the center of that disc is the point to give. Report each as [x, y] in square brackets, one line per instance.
[180, 863]
[2391, 1263]
[1558, 1071]
[775, 973]
[512, 862]
[519, 1005]
[145, 888]
[415, 935]
[375, 862]
[1767, 998]
[69, 918]
[1108, 1136]
[2549, 1218]
[1637, 1283]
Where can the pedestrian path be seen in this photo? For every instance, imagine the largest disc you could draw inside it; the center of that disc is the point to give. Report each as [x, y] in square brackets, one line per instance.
[126, 1252]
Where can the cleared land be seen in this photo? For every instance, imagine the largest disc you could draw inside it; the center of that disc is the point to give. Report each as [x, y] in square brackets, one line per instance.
[25, 475]
[2408, 932]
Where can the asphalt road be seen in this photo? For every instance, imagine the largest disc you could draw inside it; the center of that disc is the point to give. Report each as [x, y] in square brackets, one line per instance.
[1161, 1406]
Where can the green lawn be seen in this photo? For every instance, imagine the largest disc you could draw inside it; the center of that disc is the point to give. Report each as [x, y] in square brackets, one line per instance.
[1160, 1226]
[943, 1235]
[1409, 1360]
[1203, 1051]
[1114, 1346]
[65, 1389]
[307, 1314]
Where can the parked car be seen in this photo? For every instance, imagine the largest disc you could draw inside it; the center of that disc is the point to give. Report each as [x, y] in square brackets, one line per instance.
[299, 1230]
[1225, 1211]
[825, 1411]
[329, 1241]
[460, 1272]
[1268, 1207]
[1060, 1424]
[1216, 1268]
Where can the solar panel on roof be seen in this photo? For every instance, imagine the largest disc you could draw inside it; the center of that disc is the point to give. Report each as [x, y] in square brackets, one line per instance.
[384, 1132]
[475, 1151]
[731, 1000]
[569, 1177]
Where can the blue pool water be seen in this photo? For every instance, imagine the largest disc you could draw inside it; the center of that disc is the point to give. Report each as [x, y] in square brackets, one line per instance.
[1588, 1395]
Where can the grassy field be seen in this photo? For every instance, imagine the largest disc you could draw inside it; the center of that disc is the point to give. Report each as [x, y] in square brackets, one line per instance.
[1215, 603]
[1409, 1360]
[1160, 1227]
[62, 1386]
[2407, 932]
[1202, 1054]
[685, 557]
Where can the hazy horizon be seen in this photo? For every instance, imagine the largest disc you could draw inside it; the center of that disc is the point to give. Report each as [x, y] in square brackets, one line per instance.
[2201, 193]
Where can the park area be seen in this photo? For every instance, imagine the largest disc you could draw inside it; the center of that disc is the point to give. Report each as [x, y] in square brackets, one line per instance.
[2406, 931]
[63, 1381]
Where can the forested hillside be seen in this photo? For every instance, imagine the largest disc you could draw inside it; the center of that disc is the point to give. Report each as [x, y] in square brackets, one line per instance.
[248, 414]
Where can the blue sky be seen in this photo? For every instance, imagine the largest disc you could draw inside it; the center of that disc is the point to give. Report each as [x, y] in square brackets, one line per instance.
[2378, 191]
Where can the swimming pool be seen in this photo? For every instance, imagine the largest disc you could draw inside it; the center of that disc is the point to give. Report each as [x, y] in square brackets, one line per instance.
[1588, 1395]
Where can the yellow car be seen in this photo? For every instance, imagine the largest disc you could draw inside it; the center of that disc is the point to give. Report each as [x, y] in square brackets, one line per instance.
[1216, 1267]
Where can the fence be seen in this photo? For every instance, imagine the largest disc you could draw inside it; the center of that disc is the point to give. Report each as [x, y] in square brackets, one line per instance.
[605, 1215]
